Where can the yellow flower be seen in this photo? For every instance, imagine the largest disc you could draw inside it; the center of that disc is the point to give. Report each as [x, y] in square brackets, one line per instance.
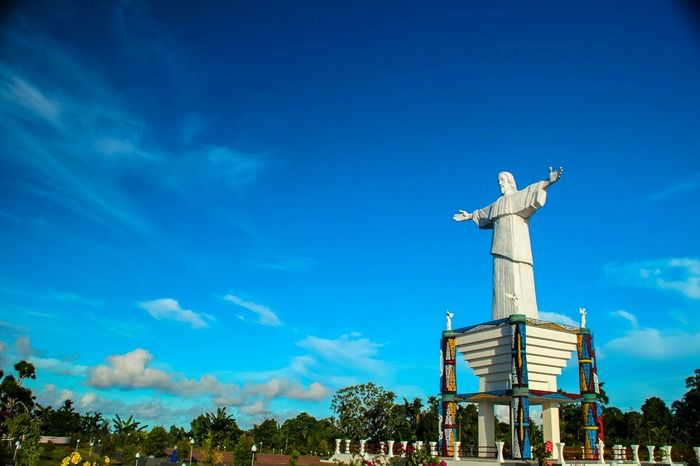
[66, 461]
[75, 457]
[107, 460]
[87, 463]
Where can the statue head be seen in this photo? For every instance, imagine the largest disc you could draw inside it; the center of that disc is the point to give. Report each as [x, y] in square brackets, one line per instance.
[506, 182]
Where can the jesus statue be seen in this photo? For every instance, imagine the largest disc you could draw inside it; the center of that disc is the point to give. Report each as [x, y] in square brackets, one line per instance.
[509, 216]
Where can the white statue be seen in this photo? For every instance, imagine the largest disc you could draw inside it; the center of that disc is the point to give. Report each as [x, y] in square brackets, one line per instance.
[513, 275]
[449, 316]
[582, 311]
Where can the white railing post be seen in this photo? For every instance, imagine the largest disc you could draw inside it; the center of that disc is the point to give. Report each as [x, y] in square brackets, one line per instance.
[457, 445]
[347, 446]
[499, 450]
[391, 448]
[404, 446]
[635, 454]
[666, 454]
[560, 453]
[651, 448]
[362, 447]
[601, 452]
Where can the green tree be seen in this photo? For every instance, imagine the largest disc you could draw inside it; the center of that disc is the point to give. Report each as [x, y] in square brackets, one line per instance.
[429, 425]
[687, 412]
[242, 456]
[363, 411]
[176, 434]
[26, 429]
[635, 427]
[14, 397]
[571, 424]
[300, 433]
[62, 421]
[268, 434]
[404, 419]
[657, 421]
[615, 428]
[156, 441]
[127, 426]
[219, 426]
[93, 425]
[467, 419]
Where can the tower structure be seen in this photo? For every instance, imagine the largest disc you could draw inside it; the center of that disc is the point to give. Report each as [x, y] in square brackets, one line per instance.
[590, 390]
[517, 356]
[449, 430]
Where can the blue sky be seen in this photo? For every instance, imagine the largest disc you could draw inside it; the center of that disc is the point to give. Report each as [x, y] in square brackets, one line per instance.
[249, 205]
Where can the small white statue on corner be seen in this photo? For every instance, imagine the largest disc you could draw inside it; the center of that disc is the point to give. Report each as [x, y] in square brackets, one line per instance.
[449, 316]
[582, 311]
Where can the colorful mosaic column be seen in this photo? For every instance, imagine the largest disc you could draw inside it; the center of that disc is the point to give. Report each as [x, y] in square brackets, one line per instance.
[449, 432]
[520, 402]
[588, 381]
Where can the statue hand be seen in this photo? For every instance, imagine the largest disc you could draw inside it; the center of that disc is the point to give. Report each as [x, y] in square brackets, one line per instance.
[462, 216]
[554, 175]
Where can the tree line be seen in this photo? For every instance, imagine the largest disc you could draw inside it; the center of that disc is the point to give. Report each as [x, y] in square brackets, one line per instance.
[365, 411]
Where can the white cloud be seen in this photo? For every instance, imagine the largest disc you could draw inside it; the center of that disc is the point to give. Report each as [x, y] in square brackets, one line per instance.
[254, 409]
[653, 344]
[87, 400]
[279, 387]
[169, 309]
[628, 316]
[24, 347]
[558, 318]
[689, 184]
[265, 315]
[3, 354]
[58, 366]
[681, 275]
[52, 396]
[349, 351]
[130, 371]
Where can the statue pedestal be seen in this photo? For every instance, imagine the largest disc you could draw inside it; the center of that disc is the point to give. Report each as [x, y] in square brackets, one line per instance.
[517, 361]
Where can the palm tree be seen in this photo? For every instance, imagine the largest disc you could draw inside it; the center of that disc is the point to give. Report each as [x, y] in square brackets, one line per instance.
[127, 426]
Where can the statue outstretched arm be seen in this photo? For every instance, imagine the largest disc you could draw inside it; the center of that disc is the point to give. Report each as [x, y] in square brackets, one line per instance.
[462, 215]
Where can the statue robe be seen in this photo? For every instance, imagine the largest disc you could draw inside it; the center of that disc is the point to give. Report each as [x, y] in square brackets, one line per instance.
[513, 275]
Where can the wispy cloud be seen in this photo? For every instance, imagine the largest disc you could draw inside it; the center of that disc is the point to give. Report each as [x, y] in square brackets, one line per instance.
[689, 184]
[285, 264]
[169, 309]
[681, 275]
[628, 316]
[68, 130]
[349, 351]
[264, 314]
[654, 344]
[558, 318]
[73, 298]
[59, 366]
